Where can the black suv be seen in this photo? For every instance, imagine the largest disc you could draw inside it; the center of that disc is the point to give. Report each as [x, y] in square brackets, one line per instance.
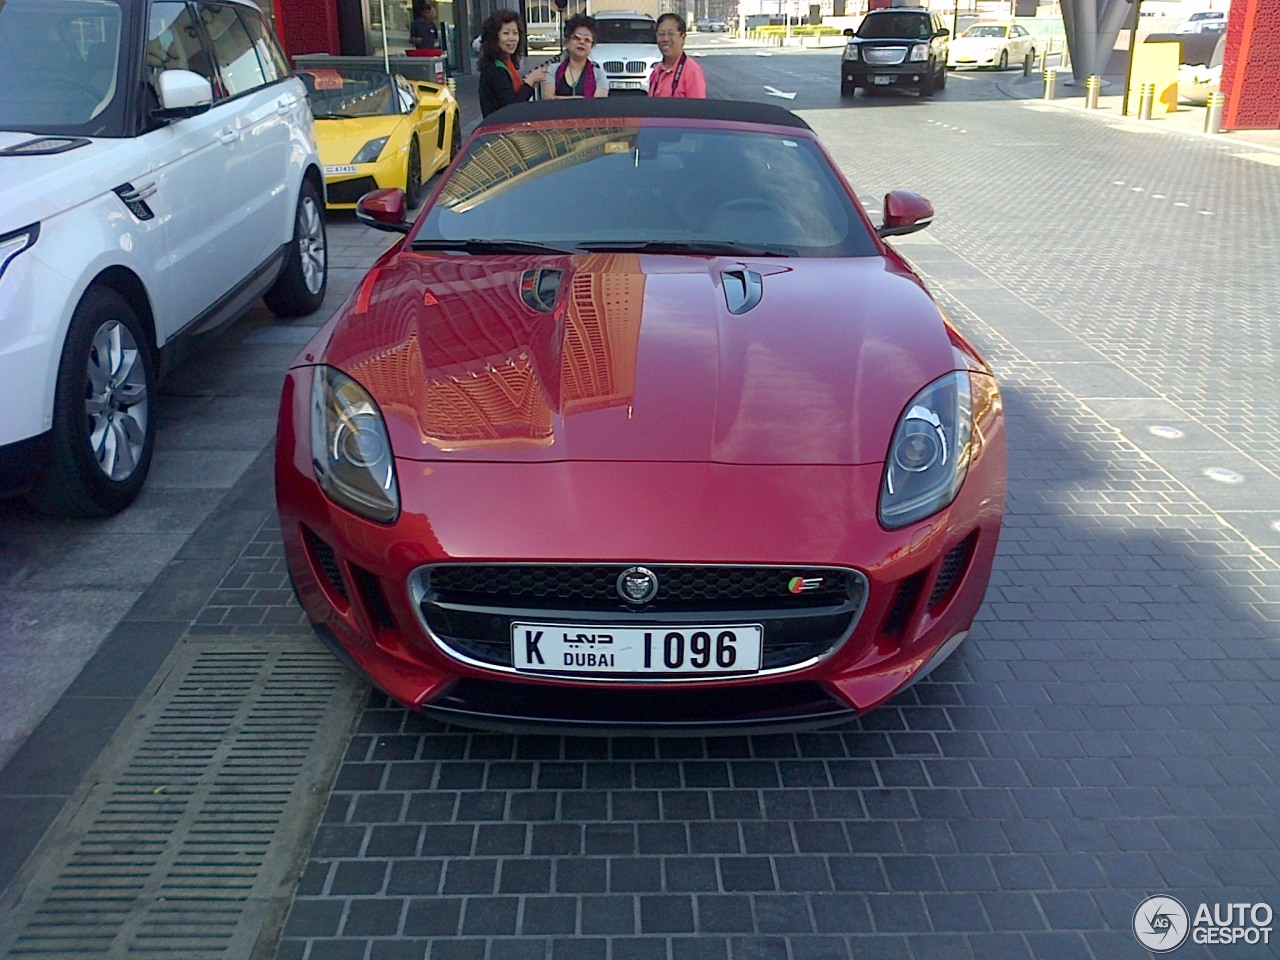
[896, 47]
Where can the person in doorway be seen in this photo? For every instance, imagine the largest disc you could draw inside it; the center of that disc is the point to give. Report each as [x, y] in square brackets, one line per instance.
[501, 84]
[676, 75]
[424, 32]
[578, 75]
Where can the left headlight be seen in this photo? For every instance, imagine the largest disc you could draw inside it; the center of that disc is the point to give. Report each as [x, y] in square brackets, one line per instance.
[14, 243]
[350, 449]
[930, 452]
[371, 150]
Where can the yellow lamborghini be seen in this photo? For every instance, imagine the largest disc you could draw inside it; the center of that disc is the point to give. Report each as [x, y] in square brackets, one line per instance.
[376, 129]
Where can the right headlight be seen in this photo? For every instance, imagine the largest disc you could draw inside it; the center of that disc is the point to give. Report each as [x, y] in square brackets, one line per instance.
[14, 243]
[350, 448]
[370, 151]
[919, 52]
[930, 451]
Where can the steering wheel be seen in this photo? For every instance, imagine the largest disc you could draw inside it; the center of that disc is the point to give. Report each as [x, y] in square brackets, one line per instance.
[766, 219]
[76, 92]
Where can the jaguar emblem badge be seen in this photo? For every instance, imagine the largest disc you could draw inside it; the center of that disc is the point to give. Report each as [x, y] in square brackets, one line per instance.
[637, 585]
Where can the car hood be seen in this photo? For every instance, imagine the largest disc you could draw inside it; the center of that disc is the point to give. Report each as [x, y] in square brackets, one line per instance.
[338, 141]
[624, 357]
[977, 43]
[37, 186]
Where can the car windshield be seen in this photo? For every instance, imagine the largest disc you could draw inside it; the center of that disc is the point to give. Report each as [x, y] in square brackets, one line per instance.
[895, 26]
[986, 31]
[60, 67]
[619, 186]
[339, 94]
[626, 30]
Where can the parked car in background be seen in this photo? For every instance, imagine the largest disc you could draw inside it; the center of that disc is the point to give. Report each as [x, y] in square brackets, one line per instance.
[711, 457]
[627, 48]
[711, 26]
[1205, 21]
[158, 173]
[995, 45]
[377, 129]
[896, 48]
[1203, 75]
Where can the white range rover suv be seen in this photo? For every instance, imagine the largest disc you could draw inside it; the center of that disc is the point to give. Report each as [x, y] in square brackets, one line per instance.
[158, 174]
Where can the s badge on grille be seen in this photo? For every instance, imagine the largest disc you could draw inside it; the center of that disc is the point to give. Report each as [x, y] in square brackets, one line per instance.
[804, 584]
[637, 585]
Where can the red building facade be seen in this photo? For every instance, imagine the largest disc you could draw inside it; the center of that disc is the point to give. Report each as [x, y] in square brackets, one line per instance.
[1251, 66]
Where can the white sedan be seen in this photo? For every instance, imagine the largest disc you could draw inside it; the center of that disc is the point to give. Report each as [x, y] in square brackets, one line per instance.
[991, 45]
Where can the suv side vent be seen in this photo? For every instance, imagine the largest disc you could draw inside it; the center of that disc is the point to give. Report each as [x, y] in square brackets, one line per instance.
[135, 199]
[43, 146]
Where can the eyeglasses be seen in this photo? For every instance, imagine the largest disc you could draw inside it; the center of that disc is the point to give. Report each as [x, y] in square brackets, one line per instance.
[581, 39]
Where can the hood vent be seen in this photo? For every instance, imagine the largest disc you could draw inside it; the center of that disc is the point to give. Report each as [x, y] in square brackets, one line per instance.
[43, 146]
[742, 289]
[135, 198]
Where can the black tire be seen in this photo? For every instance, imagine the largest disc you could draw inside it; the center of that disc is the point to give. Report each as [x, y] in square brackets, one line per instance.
[413, 174]
[300, 288]
[104, 433]
[942, 78]
[926, 84]
[1004, 60]
[847, 88]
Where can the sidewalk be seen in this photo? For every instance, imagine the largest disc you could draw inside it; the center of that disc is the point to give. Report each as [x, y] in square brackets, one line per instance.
[1186, 119]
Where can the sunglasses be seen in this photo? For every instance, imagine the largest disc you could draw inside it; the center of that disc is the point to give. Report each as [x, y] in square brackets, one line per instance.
[582, 39]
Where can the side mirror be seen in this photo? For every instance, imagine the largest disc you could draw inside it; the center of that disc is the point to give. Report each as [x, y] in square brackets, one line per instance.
[904, 212]
[383, 210]
[944, 33]
[848, 31]
[182, 93]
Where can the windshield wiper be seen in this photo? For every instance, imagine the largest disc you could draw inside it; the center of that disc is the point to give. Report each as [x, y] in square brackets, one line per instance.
[719, 248]
[487, 246]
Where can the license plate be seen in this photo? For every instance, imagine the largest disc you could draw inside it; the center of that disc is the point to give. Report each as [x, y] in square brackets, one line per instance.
[628, 84]
[882, 81]
[578, 648]
[341, 168]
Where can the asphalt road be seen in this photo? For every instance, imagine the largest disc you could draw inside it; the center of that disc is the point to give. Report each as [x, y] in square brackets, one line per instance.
[1109, 731]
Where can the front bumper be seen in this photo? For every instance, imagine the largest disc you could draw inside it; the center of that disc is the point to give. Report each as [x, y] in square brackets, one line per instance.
[859, 74]
[924, 584]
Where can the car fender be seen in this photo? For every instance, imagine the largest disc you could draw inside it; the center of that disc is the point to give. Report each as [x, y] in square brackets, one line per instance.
[42, 287]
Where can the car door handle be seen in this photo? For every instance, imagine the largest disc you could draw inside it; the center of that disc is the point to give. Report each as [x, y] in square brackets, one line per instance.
[283, 107]
[229, 135]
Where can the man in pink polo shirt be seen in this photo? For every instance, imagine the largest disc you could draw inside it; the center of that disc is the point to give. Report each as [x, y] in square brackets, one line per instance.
[676, 75]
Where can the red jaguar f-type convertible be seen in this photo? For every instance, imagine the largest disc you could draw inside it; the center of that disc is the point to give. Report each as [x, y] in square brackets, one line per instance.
[641, 425]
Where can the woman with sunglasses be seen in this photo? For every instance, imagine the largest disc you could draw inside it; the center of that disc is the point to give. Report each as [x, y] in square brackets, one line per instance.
[676, 75]
[500, 81]
[578, 75]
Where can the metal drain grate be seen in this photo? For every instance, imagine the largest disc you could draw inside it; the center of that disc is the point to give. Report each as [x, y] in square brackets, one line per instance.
[199, 813]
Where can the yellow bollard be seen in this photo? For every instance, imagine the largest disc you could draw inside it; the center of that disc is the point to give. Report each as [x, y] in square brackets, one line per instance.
[1050, 84]
[1146, 101]
[1213, 113]
[1091, 87]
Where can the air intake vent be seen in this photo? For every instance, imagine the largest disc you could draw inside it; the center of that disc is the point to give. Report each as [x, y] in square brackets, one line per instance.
[326, 561]
[950, 570]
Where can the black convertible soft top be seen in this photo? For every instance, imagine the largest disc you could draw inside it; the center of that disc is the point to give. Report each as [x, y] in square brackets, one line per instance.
[612, 108]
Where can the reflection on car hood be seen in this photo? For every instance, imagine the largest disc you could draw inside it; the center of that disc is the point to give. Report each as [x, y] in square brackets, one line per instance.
[38, 187]
[638, 358]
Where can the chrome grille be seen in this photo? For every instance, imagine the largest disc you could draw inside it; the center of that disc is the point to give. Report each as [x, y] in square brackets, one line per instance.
[469, 608]
[885, 56]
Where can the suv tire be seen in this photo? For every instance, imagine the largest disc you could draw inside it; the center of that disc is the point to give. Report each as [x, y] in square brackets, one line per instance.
[301, 285]
[847, 89]
[927, 83]
[106, 380]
